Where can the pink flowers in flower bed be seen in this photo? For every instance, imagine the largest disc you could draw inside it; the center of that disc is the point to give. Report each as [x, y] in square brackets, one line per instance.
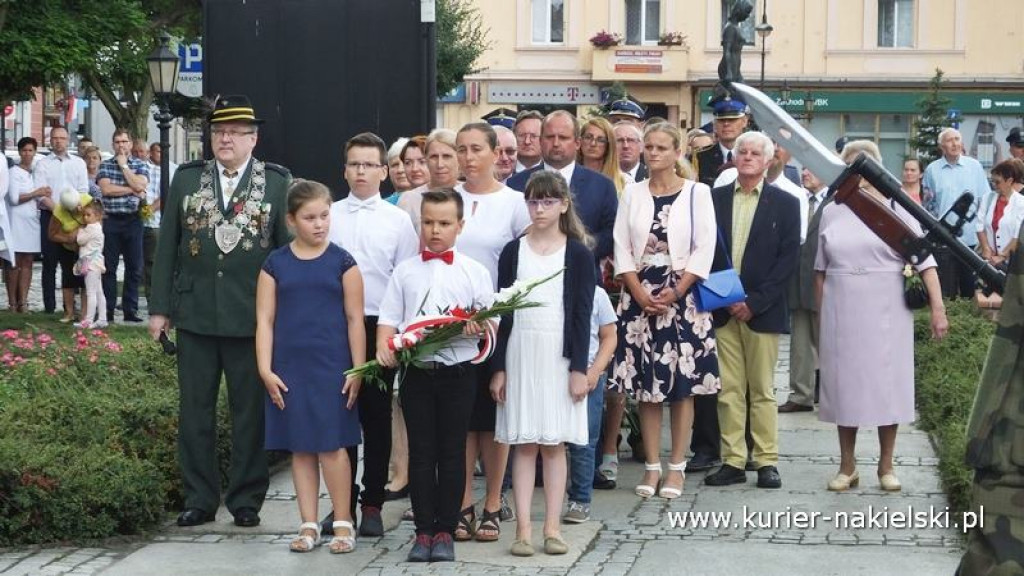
[17, 348]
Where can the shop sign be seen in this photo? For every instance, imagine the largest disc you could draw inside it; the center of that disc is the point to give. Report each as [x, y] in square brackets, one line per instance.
[639, 61]
[516, 93]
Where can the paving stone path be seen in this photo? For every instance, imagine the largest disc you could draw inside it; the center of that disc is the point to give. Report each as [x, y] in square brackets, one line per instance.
[626, 535]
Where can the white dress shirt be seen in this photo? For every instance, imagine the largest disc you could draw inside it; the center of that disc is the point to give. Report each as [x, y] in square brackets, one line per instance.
[439, 287]
[492, 221]
[6, 242]
[728, 176]
[378, 235]
[61, 173]
[226, 182]
[566, 172]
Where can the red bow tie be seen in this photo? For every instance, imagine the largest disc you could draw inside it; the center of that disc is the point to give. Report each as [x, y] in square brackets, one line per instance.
[447, 256]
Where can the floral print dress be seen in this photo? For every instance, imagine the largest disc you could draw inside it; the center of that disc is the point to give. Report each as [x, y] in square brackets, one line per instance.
[668, 357]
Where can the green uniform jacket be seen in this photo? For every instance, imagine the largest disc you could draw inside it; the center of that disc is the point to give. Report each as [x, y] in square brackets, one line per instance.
[210, 292]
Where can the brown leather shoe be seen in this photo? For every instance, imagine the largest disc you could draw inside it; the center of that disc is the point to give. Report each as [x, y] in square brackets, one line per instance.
[794, 407]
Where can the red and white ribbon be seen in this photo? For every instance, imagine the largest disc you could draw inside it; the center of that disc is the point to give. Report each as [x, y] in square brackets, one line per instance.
[418, 330]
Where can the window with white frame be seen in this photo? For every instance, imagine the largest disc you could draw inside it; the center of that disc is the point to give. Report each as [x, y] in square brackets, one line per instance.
[548, 21]
[895, 23]
[643, 21]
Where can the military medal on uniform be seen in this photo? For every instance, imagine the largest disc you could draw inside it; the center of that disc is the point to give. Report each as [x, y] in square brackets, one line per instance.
[244, 224]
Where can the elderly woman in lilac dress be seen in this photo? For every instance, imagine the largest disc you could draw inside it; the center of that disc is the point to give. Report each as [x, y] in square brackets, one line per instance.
[866, 347]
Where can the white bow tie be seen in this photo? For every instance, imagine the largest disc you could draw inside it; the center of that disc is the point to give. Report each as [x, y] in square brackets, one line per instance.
[356, 205]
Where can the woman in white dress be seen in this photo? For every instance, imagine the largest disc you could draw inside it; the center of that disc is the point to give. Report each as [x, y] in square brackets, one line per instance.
[24, 216]
[540, 362]
[494, 216]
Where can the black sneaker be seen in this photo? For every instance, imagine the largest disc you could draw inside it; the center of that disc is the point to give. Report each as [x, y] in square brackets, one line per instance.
[420, 549]
[768, 477]
[442, 548]
[133, 318]
[371, 524]
[726, 475]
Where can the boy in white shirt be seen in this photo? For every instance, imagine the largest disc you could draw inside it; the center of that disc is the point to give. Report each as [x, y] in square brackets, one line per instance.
[603, 338]
[379, 235]
[437, 399]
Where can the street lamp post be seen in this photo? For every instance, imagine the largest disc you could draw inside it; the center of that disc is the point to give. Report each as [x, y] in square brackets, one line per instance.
[163, 73]
[764, 30]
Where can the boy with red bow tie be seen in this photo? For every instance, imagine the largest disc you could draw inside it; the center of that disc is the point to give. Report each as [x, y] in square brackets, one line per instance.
[437, 398]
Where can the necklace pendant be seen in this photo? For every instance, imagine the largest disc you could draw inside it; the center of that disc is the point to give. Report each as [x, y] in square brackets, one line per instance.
[193, 246]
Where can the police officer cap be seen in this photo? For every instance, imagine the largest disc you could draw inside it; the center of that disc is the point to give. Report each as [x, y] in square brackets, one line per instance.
[626, 107]
[1015, 138]
[501, 117]
[729, 108]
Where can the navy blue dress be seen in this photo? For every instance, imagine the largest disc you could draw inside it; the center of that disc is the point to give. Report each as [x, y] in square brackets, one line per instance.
[311, 353]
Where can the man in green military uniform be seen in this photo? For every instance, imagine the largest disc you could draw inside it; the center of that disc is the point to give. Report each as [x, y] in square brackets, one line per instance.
[995, 444]
[222, 218]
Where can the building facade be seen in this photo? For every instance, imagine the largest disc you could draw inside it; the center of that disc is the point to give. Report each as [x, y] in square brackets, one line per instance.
[864, 63]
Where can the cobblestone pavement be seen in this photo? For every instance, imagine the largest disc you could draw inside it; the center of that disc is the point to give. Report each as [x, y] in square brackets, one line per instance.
[625, 536]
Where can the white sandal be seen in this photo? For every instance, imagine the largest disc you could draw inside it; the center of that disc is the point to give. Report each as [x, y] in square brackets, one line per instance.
[305, 542]
[343, 544]
[646, 490]
[669, 493]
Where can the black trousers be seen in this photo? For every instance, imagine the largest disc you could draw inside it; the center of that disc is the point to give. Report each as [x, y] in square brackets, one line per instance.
[375, 418]
[707, 439]
[437, 404]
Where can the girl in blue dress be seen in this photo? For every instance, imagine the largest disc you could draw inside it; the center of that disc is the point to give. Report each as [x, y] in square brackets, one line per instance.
[309, 331]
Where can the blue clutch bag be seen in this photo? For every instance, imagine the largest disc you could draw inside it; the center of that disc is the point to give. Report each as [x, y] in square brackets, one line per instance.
[722, 288]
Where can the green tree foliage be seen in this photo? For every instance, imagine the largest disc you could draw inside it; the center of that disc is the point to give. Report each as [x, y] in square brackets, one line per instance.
[106, 43]
[933, 108]
[461, 39]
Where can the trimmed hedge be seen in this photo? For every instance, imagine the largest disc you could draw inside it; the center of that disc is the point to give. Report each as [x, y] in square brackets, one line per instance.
[88, 434]
[947, 375]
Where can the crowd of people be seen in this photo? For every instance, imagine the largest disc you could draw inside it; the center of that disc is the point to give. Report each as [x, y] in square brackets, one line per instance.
[125, 189]
[269, 282]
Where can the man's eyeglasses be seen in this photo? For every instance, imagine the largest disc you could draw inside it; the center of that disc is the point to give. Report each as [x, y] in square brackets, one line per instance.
[591, 139]
[357, 166]
[220, 132]
[507, 151]
[547, 203]
[628, 140]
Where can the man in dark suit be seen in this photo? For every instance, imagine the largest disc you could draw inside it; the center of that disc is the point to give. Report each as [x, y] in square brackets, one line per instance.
[761, 228]
[730, 121]
[803, 343]
[223, 218]
[593, 192]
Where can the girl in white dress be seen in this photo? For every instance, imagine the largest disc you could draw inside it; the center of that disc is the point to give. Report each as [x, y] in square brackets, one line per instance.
[540, 363]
